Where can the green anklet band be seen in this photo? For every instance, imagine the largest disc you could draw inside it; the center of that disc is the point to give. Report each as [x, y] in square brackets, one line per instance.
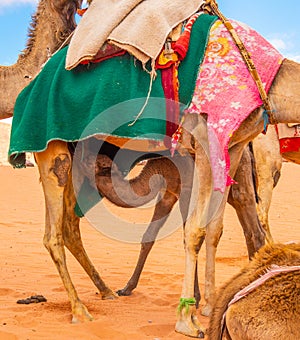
[185, 303]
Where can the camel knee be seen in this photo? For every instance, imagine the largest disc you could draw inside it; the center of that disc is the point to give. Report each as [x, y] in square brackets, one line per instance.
[239, 197]
[52, 244]
[212, 239]
[54, 163]
[61, 168]
[194, 240]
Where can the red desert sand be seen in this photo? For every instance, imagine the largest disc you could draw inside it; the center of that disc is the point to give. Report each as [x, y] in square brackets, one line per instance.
[150, 312]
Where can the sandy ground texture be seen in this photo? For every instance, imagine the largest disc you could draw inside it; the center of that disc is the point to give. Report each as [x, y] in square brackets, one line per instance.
[150, 312]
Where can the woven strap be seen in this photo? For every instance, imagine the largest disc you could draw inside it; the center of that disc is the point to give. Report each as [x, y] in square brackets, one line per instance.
[211, 7]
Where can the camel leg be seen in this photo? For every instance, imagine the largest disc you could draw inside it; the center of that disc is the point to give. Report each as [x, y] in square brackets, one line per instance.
[242, 198]
[265, 192]
[245, 206]
[195, 227]
[215, 227]
[213, 234]
[54, 166]
[208, 207]
[134, 279]
[194, 235]
[187, 167]
[73, 241]
[187, 322]
[214, 231]
[162, 210]
[268, 166]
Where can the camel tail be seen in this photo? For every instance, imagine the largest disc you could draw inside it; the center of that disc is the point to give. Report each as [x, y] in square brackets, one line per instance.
[254, 172]
[276, 177]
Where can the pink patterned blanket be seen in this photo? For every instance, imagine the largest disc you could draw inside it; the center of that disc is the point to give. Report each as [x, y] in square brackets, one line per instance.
[226, 91]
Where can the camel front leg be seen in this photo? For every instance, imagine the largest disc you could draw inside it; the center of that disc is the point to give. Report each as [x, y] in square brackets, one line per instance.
[72, 240]
[216, 215]
[213, 234]
[184, 203]
[195, 228]
[194, 235]
[187, 322]
[54, 166]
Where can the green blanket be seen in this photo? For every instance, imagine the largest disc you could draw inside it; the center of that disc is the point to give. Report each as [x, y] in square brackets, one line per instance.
[73, 105]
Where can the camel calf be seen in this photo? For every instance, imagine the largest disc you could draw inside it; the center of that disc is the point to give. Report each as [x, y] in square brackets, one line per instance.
[263, 300]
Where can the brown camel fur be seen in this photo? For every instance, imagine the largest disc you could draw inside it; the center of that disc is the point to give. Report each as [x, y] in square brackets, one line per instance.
[52, 23]
[272, 309]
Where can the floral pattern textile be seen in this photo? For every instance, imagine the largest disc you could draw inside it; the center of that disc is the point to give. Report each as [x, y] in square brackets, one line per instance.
[226, 91]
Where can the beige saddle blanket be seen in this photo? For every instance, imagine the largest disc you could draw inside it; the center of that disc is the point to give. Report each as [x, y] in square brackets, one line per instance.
[138, 26]
[288, 130]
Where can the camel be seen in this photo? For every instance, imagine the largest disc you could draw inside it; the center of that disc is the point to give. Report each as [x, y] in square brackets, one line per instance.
[62, 226]
[263, 300]
[283, 100]
[51, 25]
[112, 185]
[52, 38]
[55, 166]
[283, 97]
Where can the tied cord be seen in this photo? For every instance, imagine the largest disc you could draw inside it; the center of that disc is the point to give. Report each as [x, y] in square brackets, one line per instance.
[185, 303]
[266, 120]
[152, 77]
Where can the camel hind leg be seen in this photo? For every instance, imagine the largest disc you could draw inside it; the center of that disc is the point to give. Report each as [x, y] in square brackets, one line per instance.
[73, 241]
[162, 210]
[54, 166]
[242, 197]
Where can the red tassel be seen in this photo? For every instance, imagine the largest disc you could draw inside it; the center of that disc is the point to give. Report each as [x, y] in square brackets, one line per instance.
[81, 11]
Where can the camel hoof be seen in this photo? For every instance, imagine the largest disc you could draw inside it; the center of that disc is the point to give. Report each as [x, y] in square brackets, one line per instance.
[81, 314]
[188, 323]
[109, 295]
[185, 329]
[81, 318]
[124, 292]
[75, 320]
[206, 310]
